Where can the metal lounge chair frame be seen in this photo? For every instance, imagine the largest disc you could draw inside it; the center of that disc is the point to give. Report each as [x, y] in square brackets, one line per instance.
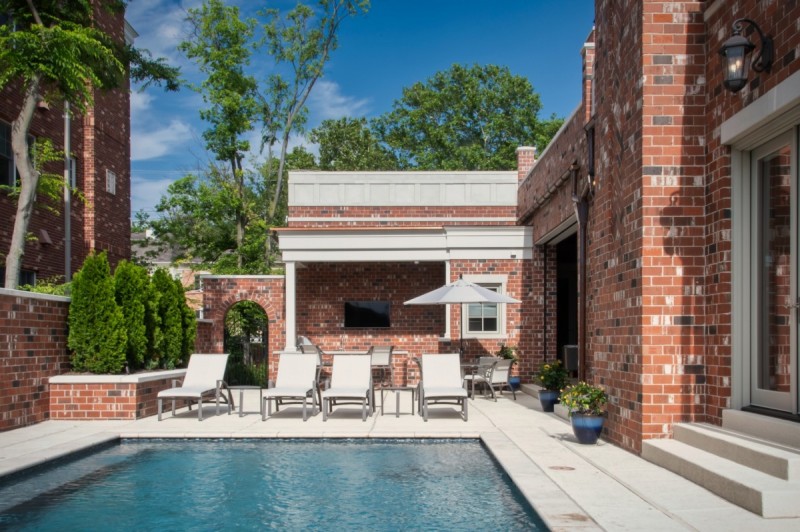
[297, 380]
[441, 382]
[204, 378]
[351, 381]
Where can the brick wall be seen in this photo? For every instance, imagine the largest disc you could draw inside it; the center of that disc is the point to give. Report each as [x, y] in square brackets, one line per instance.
[99, 140]
[107, 400]
[505, 216]
[220, 293]
[658, 262]
[778, 19]
[33, 347]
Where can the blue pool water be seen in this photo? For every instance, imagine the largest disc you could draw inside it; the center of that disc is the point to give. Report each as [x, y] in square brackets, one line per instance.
[270, 484]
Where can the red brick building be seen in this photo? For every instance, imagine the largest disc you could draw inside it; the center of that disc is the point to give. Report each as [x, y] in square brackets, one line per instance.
[100, 147]
[680, 198]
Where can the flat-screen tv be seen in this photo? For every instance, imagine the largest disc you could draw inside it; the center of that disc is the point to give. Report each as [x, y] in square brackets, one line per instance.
[373, 314]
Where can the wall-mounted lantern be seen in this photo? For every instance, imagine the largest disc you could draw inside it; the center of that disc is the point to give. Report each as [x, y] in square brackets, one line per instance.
[736, 51]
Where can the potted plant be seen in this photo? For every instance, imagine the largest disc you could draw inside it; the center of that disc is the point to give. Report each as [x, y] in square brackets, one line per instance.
[509, 352]
[585, 403]
[553, 378]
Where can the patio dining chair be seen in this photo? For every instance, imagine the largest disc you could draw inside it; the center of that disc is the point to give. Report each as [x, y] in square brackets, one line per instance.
[297, 380]
[382, 362]
[500, 378]
[203, 379]
[351, 381]
[441, 382]
[482, 376]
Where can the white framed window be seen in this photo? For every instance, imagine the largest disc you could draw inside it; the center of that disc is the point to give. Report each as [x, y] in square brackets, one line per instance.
[485, 320]
[111, 182]
[484, 317]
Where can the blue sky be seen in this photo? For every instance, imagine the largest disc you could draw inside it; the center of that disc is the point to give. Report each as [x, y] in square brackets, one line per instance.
[398, 43]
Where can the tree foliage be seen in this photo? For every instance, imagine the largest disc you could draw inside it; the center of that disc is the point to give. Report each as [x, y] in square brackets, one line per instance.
[168, 351]
[465, 118]
[97, 335]
[221, 46]
[52, 49]
[131, 285]
[302, 40]
[349, 144]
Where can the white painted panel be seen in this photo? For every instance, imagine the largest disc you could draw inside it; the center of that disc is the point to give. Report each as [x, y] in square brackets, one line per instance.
[505, 193]
[480, 193]
[329, 195]
[379, 194]
[430, 194]
[303, 195]
[354, 194]
[404, 194]
[455, 194]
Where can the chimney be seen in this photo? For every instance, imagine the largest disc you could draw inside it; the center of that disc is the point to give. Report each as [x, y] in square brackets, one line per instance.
[526, 159]
[588, 77]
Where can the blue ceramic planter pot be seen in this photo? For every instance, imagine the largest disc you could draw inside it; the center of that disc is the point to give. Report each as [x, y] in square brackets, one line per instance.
[587, 428]
[548, 399]
[514, 382]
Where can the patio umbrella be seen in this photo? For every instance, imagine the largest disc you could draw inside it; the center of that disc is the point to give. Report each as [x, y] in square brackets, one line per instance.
[460, 292]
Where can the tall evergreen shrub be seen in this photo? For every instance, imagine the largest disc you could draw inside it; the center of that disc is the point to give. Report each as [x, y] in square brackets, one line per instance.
[188, 324]
[170, 320]
[97, 335]
[131, 284]
[152, 326]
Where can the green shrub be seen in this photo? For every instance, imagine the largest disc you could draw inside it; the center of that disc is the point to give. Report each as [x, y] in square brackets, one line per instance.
[169, 346]
[552, 375]
[50, 285]
[130, 287]
[97, 335]
[188, 324]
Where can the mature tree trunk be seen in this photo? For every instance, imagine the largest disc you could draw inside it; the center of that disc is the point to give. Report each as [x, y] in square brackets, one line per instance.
[29, 181]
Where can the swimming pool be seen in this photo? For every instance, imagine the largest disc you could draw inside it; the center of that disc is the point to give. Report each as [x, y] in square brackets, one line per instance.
[270, 484]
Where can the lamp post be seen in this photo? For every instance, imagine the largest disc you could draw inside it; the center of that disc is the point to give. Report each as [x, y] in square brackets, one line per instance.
[736, 51]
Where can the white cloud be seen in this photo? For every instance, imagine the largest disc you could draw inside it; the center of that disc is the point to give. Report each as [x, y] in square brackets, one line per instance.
[146, 193]
[149, 144]
[327, 101]
[140, 101]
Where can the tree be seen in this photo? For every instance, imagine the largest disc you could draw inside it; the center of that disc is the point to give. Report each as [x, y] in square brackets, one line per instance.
[198, 221]
[131, 285]
[170, 318]
[348, 144]
[97, 335]
[55, 53]
[464, 118]
[221, 45]
[303, 40]
[188, 324]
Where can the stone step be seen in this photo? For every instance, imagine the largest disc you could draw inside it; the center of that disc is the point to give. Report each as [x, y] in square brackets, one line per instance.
[777, 461]
[753, 490]
[780, 431]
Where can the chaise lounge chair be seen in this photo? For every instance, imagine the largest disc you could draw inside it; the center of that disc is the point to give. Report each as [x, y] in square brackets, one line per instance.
[441, 382]
[203, 379]
[297, 379]
[351, 380]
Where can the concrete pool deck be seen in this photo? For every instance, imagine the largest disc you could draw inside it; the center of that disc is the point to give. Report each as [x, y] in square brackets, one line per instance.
[571, 486]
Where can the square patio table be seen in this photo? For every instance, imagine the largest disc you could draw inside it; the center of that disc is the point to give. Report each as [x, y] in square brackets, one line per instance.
[241, 398]
[397, 390]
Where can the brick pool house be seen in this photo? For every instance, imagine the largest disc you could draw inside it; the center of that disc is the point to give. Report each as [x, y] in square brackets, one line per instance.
[635, 236]
[653, 244]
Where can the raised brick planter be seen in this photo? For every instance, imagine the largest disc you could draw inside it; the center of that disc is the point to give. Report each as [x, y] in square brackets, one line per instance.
[108, 396]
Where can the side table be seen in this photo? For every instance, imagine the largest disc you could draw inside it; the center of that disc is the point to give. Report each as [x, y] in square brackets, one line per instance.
[241, 397]
[397, 390]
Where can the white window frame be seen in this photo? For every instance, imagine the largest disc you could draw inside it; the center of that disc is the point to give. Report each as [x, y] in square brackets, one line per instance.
[766, 118]
[489, 281]
[111, 182]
